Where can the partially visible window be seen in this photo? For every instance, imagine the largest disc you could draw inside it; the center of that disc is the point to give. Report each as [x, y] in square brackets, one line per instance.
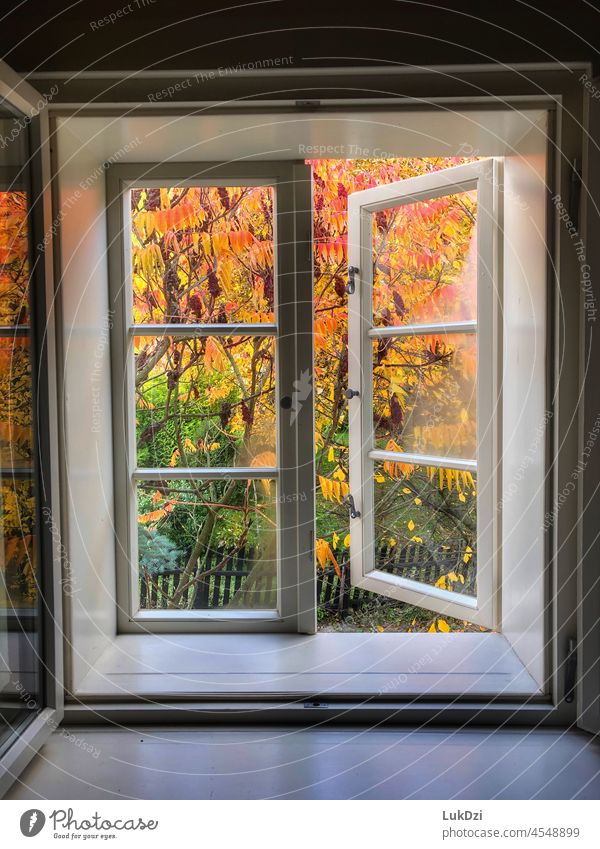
[20, 673]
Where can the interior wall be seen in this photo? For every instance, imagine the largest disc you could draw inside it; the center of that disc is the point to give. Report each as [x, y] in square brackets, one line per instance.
[526, 425]
[83, 145]
[87, 435]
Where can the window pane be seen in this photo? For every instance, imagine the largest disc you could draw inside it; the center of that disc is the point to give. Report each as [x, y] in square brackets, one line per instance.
[14, 260]
[15, 403]
[19, 604]
[205, 401]
[425, 261]
[426, 525]
[203, 254]
[424, 394]
[207, 544]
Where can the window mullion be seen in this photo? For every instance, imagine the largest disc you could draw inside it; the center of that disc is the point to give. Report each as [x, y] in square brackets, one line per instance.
[424, 329]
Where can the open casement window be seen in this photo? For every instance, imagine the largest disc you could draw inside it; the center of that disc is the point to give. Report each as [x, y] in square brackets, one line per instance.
[423, 390]
[209, 397]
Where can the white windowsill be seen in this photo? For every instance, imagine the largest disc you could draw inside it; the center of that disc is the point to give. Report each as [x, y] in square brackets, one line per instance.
[184, 666]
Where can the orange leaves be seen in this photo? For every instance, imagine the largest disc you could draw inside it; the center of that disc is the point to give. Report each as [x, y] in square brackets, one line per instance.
[333, 252]
[325, 555]
[240, 240]
[213, 355]
[155, 515]
[266, 459]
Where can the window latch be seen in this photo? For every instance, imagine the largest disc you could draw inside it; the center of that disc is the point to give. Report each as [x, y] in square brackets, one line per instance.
[349, 502]
[571, 671]
[351, 284]
[351, 393]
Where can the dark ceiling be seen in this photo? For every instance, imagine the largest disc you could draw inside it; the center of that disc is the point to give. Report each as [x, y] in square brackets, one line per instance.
[68, 36]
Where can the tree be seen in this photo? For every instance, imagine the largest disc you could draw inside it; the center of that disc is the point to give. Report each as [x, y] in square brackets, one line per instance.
[204, 254]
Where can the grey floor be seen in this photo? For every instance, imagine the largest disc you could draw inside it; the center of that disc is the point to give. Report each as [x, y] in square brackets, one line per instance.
[308, 763]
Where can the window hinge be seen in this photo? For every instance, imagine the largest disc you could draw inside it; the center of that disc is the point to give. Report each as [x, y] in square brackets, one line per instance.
[308, 104]
[571, 671]
[349, 502]
[575, 193]
[351, 284]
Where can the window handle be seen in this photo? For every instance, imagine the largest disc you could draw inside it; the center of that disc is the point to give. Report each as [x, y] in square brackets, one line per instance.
[351, 393]
[351, 284]
[349, 502]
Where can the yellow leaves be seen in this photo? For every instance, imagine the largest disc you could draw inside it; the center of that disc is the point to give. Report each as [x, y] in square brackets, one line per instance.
[189, 445]
[333, 490]
[418, 502]
[149, 260]
[339, 474]
[442, 626]
[380, 628]
[335, 539]
[444, 582]
[417, 539]
[410, 525]
[379, 478]
[392, 542]
[468, 554]
[220, 243]
[325, 555]
[331, 455]
[174, 458]
[347, 541]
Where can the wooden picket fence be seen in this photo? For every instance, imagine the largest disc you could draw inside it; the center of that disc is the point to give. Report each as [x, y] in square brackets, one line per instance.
[334, 591]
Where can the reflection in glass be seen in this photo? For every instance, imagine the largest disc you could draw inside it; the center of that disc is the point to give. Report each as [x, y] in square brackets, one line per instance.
[424, 394]
[15, 403]
[14, 259]
[426, 524]
[20, 661]
[425, 261]
[207, 544]
[203, 254]
[205, 401]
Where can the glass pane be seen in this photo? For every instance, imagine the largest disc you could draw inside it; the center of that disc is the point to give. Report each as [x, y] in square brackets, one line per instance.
[203, 254]
[14, 260]
[15, 403]
[20, 637]
[206, 545]
[205, 401]
[424, 394]
[425, 261]
[426, 525]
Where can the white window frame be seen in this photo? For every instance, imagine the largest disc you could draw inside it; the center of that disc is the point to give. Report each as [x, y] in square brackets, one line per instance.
[295, 610]
[484, 177]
